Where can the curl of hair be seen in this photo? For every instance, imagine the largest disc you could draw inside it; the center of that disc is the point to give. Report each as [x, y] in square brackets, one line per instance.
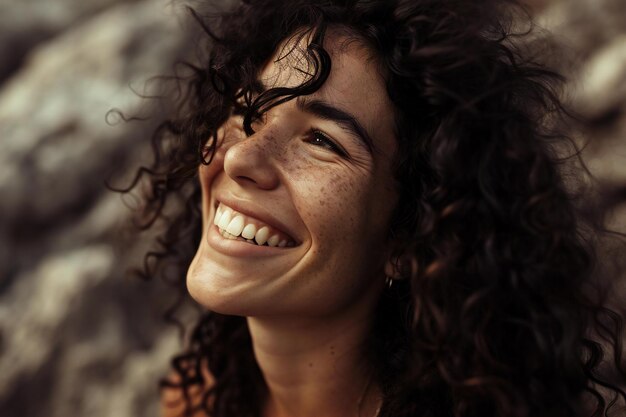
[500, 318]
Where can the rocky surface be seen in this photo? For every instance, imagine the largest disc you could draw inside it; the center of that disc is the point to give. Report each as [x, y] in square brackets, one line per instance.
[593, 34]
[77, 336]
[25, 23]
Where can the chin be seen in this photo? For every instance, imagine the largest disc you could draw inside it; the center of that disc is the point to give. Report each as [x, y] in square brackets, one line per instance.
[213, 289]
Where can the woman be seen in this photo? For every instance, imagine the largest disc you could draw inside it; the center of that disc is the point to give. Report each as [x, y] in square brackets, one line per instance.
[383, 228]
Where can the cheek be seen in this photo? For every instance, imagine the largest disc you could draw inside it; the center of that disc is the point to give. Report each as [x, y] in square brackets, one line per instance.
[207, 173]
[206, 176]
[330, 203]
[345, 258]
[347, 210]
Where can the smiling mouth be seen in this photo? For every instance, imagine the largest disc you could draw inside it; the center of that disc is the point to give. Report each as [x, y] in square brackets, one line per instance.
[237, 226]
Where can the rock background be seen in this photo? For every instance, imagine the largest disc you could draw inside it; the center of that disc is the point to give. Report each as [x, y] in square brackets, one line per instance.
[79, 337]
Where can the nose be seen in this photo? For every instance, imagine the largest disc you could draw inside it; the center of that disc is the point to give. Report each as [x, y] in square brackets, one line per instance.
[249, 161]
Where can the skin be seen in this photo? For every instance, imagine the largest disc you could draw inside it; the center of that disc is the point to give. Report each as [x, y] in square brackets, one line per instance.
[309, 307]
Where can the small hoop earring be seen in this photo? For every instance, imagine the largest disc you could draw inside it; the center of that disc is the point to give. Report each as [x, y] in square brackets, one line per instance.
[388, 281]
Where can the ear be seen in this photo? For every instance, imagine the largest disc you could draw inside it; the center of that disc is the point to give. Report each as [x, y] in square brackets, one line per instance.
[401, 267]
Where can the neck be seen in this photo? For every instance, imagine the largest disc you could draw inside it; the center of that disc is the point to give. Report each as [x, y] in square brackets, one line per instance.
[315, 368]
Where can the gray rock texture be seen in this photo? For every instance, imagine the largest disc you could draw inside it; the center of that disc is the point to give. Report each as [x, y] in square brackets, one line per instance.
[25, 23]
[79, 337]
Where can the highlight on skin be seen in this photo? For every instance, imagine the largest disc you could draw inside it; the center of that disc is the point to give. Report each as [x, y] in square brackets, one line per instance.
[500, 318]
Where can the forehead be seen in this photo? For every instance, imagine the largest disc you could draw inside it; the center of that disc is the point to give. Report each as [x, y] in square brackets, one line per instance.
[355, 83]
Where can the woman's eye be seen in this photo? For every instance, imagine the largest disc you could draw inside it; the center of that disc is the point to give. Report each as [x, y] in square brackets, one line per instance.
[318, 138]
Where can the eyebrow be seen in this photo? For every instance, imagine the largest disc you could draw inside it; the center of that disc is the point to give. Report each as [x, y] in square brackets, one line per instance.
[345, 120]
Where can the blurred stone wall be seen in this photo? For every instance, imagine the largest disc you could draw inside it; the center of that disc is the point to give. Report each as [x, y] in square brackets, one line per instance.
[78, 337]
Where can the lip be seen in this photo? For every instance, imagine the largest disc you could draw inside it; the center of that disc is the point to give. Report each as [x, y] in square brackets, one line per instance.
[256, 212]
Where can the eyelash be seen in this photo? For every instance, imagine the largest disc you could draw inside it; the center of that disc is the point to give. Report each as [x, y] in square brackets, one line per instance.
[314, 134]
[327, 142]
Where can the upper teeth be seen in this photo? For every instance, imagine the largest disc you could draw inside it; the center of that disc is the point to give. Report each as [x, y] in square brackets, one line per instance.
[234, 224]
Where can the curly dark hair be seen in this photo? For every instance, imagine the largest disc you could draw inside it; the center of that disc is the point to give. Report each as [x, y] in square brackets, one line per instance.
[503, 316]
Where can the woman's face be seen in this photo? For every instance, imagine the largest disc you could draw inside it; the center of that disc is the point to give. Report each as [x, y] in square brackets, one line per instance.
[308, 182]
